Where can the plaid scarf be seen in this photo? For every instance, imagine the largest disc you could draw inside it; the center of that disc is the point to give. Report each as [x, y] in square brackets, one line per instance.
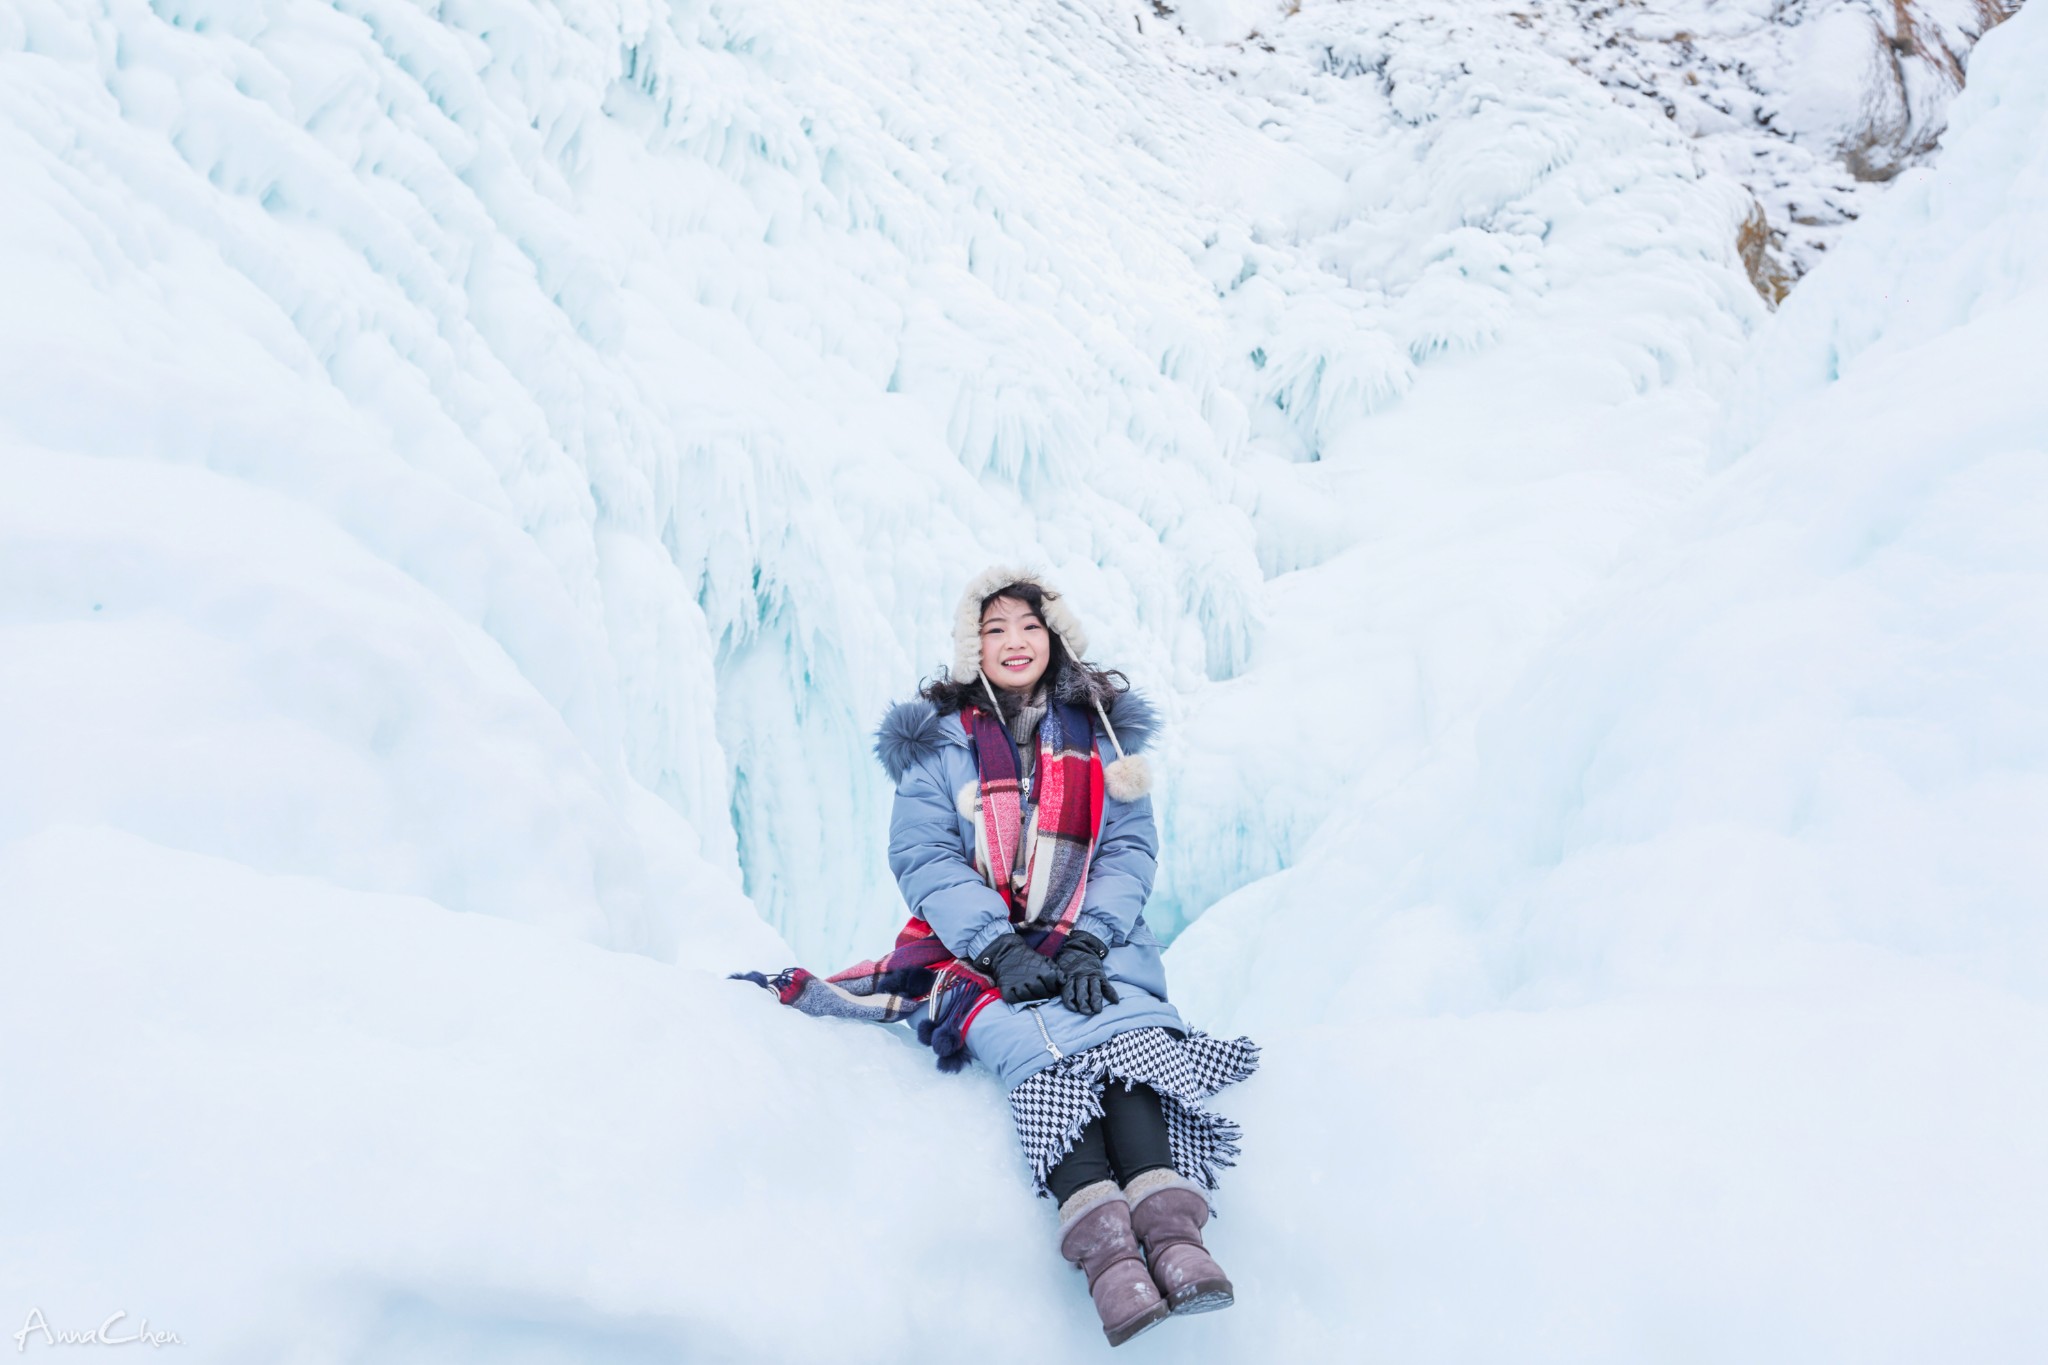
[1054, 832]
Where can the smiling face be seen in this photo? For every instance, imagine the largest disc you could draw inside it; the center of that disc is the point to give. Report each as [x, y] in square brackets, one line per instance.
[1015, 645]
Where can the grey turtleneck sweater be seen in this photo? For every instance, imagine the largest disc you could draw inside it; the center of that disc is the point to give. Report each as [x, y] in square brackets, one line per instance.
[1023, 722]
[1023, 726]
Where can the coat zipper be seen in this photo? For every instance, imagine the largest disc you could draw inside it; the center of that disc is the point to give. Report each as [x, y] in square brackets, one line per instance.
[1039, 1019]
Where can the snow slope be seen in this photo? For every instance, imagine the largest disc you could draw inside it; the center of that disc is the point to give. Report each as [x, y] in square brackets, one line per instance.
[499, 459]
[1694, 999]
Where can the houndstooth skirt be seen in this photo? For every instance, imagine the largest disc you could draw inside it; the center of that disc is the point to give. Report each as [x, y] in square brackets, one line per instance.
[1052, 1106]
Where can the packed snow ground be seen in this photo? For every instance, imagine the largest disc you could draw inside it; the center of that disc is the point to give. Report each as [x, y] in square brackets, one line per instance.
[501, 460]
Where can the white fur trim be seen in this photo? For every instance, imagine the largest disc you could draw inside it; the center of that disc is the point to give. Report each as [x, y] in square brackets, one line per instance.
[1128, 778]
[1059, 617]
[1087, 1198]
[1165, 1178]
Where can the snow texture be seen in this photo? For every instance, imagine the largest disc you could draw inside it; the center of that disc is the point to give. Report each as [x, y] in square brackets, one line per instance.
[473, 474]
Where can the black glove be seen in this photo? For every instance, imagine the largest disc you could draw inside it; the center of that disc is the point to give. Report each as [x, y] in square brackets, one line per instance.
[1019, 970]
[1084, 984]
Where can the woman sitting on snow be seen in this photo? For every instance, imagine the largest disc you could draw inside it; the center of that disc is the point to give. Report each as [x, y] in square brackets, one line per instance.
[1023, 841]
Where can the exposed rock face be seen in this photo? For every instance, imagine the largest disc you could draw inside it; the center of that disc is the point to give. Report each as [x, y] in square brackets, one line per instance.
[1766, 271]
[1808, 102]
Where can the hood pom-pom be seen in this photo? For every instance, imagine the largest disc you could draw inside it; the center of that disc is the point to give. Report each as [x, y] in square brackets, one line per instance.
[1129, 778]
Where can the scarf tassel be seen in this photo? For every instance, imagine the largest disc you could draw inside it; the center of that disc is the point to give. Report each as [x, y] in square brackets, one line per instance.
[787, 984]
[910, 981]
[945, 1030]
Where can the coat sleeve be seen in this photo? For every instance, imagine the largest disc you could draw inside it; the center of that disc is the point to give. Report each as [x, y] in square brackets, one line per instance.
[936, 874]
[1120, 876]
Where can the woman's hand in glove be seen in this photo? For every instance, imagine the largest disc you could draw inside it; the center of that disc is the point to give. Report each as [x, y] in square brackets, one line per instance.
[1020, 971]
[1084, 984]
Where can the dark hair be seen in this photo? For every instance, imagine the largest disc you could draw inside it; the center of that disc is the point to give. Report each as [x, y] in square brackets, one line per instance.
[1069, 679]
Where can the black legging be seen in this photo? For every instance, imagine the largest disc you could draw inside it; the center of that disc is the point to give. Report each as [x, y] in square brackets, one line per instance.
[1135, 1127]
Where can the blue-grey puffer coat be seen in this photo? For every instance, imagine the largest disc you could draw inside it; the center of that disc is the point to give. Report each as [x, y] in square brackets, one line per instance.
[931, 851]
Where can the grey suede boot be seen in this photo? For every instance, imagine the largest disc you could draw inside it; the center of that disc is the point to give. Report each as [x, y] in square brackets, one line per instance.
[1095, 1234]
[1167, 1213]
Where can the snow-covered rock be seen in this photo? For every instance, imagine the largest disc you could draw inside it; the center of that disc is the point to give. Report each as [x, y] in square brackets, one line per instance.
[1811, 104]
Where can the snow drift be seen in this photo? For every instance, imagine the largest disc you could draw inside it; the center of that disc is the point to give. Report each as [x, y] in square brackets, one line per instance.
[1691, 999]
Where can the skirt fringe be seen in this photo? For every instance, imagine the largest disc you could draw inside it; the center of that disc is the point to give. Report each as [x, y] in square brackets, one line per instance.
[1053, 1105]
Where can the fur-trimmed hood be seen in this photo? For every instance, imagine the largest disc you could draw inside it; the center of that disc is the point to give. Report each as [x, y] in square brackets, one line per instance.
[915, 729]
[1059, 617]
[1126, 778]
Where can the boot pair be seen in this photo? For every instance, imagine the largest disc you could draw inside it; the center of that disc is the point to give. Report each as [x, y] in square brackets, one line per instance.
[1102, 1228]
